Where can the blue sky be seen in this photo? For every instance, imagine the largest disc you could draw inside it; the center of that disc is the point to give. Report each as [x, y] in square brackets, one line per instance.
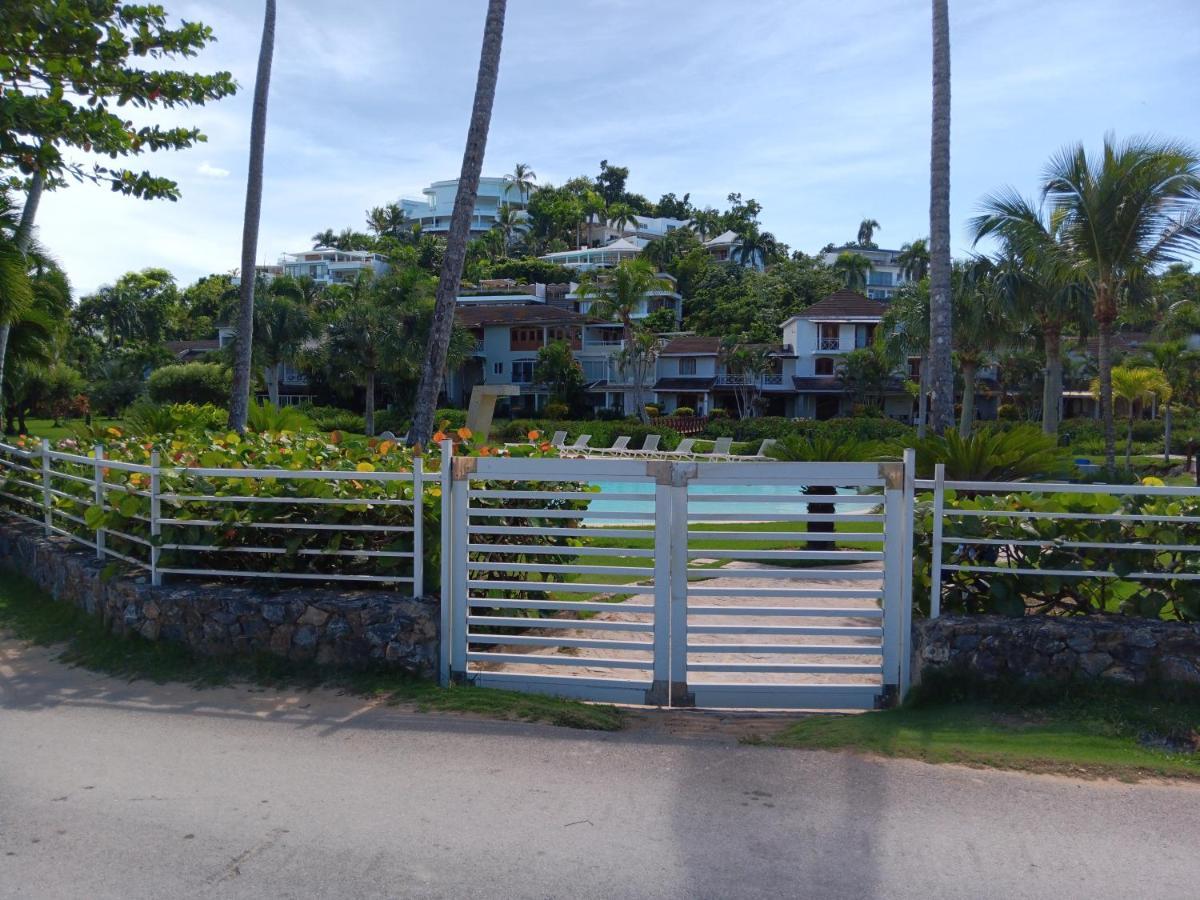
[819, 110]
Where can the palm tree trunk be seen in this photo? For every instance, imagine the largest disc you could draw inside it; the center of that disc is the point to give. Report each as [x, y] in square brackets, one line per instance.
[967, 418]
[1129, 439]
[22, 240]
[1167, 434]
[1052, 388]
[1104, 363]
[239, 395]
[923, 399]
[369, 404]
[460, 222]
[940, 325]
[271, 377]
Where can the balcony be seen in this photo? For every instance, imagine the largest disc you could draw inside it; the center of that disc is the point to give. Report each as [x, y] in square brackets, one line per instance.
[762, 381]
[829, 344]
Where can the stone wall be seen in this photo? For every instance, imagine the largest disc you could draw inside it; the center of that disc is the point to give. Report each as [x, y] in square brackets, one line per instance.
[347, 628]
[1114, 648]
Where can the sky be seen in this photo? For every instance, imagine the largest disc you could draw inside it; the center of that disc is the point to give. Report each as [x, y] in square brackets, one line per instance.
[818, 110]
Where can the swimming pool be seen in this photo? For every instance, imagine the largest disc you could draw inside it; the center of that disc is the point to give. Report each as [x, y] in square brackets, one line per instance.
[774, 499]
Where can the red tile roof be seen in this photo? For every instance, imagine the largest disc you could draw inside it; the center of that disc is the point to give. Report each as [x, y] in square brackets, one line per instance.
[483, 314]
[844, 303]
[692, 345]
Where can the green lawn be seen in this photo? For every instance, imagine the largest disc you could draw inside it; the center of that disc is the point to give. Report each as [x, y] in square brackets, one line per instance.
[1103, 731]
[31, 615]
[45, 428]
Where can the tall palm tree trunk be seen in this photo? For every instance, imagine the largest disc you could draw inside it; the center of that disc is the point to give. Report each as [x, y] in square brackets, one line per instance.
[460, 221]
[1104, 320]
[1053, 387]
[239, 397]
[940, 325]
[967, 419]
[923, 399]
[22, 240]
[271, 375]
[369, 404]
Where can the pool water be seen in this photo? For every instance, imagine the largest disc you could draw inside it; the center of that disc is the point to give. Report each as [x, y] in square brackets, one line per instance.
[769, 498]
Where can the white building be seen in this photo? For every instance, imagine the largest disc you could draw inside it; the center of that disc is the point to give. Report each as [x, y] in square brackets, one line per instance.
[433, 213]
[326, 265]
[885, 275]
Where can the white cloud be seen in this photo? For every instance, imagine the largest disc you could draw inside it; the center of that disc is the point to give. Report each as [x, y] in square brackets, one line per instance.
[210, 171]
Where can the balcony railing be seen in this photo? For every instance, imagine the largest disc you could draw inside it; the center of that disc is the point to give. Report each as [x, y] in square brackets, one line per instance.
[769, 380]
[829, 343]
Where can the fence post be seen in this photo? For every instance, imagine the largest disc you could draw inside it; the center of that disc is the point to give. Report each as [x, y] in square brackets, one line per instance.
[681, 474]
[47, 517]
[660, 687]
[935, 567]
[893, 576]
[447, 552]
[906, 584]
[418, 544]
[460, 484]
[155, 525]
[98, 484]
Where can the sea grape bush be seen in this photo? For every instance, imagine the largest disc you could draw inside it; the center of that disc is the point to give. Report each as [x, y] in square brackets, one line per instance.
[1170, 596]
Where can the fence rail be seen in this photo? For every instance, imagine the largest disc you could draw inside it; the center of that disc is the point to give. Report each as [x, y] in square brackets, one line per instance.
[285, 524]
[1160, 553]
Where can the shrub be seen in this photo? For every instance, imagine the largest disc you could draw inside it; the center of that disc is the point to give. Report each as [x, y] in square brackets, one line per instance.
[865, 429]
[555, 410]
[266, 417]
[989, 454]
[1008, 412]
[652, 411]
[146, 417]
[683, 411]
[194, 382]
[334, 418]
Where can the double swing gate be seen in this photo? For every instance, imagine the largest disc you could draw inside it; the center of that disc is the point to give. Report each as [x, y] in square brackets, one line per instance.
[756, 584]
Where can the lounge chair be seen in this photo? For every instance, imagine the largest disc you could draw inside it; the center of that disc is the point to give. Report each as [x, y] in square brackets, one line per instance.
[766, 445]
[684, 450]
[720, 450]
[579, 447]
[619, 448]
[560, 438]
[649, 446]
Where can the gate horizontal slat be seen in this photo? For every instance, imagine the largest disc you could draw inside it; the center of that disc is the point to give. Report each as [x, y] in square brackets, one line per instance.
[798, 649]
[496, 565]
[537, 641]
[749, 553]
[564, 605]
[788, 668]
[582, 624]
[796, 593]
[566, 586]
[519, 549]
[856, 612]
[830, 574]
[822, 630]
[542, 660]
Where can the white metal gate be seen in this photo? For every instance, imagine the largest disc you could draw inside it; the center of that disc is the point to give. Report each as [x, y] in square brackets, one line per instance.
[679, 583]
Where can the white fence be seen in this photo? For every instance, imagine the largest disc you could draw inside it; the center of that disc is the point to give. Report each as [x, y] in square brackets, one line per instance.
[663, 582]
[1141, 533]
[295, 525]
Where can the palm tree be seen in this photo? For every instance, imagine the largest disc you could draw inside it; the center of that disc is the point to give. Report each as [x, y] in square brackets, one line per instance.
[619, 292]
[326, 238]
[239, 395]
[705, 222]
[281, 326]
[979, 329]
[852, 268]
[1119, 217]
[905, 334]
[866, 231]
[509, 222]
[754, 246]
[914, 260]
[16, 240]
[522, 178]
[636, 359]
[1032, 283]
[620, 215]
[460, 225]
[1133, 385]
[941, 371]
[389, 219]
[822, 448]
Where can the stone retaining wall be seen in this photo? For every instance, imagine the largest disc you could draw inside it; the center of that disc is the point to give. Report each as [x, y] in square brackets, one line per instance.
[1113, 648]
[347, 628]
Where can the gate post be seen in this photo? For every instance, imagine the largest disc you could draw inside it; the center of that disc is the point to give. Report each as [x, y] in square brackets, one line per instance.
[669, 687]
[461, 470]
[893, 577]
[446, 585]
[906, 583]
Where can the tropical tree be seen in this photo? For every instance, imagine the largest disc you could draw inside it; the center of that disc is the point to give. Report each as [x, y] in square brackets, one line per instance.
[460, 225]
[636, 361]
[979, 329]
[509, 222]
[522, 178]
[1117, 218]
[619, 292]
[866, 231]
[822, 448]
[281, 326]
[620, 215]
[864, 373]
[914, 260]
[904, 333]
[326, 238]
[706, 222]
[755, 247]
[852, 269]
[560, 372]
[941, 371]
[16, 288]
[749, 362]
[389, 219]
[239, 392]
[1133, 385]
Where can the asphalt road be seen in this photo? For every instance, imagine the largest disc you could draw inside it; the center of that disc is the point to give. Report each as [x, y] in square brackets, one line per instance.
[133, 790]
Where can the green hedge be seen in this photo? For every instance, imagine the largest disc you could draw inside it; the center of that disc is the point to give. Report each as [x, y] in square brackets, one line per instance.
[194, 382]
[858, 429]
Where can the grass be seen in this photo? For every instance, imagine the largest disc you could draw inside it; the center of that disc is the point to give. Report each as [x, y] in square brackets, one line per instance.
[31, 615]
[45, 428]
[1095, 731]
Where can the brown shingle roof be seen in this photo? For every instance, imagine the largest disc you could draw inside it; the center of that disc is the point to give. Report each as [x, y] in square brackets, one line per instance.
[483, 314]
[692, 345]
[844, 303]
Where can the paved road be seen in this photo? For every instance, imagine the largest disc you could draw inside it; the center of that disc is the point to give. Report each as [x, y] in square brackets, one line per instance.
[130, 791]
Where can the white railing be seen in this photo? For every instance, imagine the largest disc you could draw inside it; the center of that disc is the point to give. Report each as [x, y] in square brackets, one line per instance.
[323, 525]
[731, 380]
[1007, 548]
[829, 344]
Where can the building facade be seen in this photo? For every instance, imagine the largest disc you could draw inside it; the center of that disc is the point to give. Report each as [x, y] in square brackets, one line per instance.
[886, 274]
[325, 265]
[433, 213]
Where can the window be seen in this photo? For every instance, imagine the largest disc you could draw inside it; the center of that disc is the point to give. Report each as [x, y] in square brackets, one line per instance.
[879, 279]
[823, 366]
[687, 366]
[864, 335]
[498, 368]
[522, 371]
[829, 336]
